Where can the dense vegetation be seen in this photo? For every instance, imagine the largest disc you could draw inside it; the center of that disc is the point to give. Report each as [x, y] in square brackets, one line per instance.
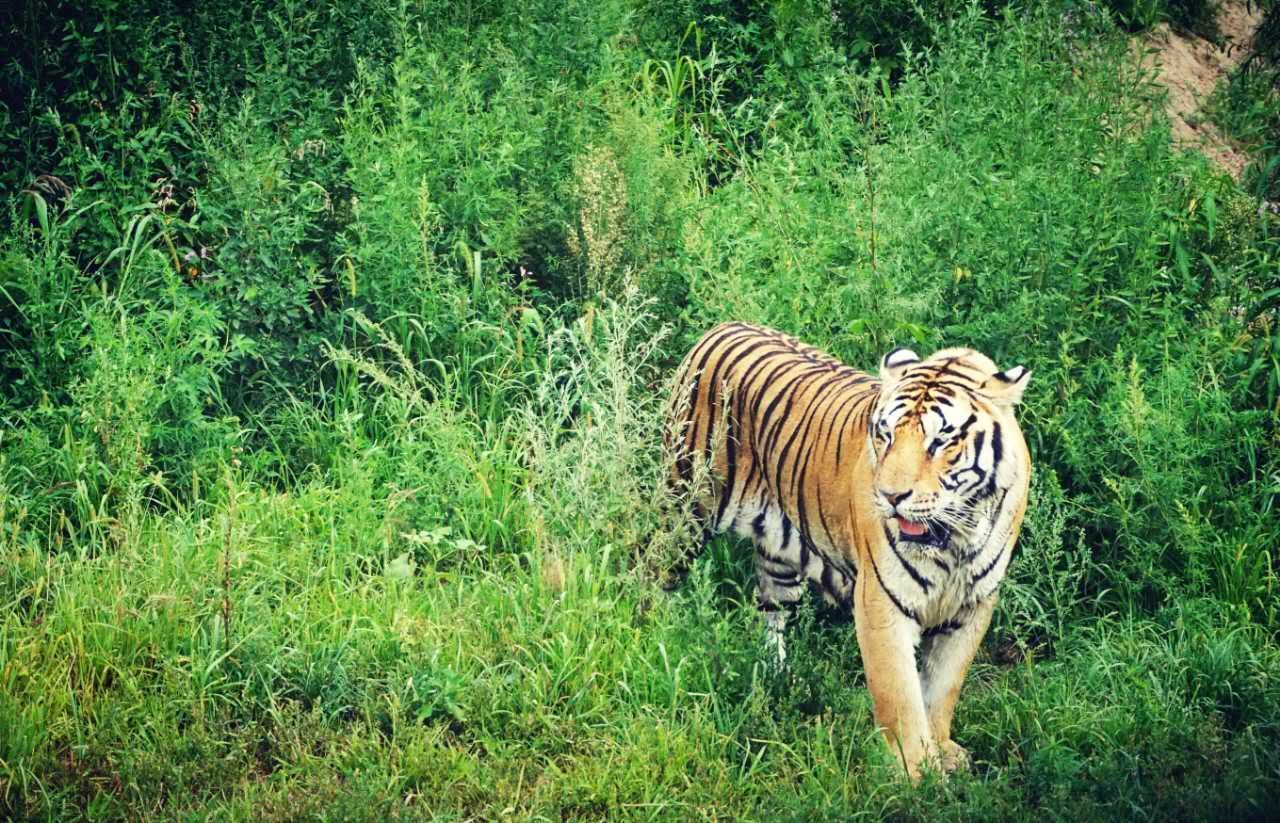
[332, 345]
[1247, 105]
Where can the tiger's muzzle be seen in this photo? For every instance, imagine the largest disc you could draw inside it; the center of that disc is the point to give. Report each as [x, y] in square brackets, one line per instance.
[922, 533]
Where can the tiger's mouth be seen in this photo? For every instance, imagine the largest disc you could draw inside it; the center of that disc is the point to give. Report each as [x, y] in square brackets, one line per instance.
[927, 534]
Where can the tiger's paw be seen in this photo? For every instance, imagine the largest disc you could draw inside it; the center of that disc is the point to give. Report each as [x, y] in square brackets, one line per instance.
[954, 757]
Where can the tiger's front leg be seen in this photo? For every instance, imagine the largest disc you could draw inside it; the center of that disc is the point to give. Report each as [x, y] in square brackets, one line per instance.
[887, 639]
[945, 659]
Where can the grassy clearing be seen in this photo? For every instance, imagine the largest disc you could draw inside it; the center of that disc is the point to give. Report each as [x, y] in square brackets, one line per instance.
[334, 343]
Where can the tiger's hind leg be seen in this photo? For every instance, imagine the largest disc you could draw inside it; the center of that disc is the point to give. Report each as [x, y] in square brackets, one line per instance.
[780, 578]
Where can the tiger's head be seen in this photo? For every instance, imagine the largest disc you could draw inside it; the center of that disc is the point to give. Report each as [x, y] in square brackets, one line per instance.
[942, 436]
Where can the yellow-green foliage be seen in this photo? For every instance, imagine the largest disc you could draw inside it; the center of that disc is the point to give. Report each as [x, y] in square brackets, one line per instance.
[334, 340]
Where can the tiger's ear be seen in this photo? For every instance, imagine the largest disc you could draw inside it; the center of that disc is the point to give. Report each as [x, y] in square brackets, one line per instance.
[895, 362]
[1006, 387]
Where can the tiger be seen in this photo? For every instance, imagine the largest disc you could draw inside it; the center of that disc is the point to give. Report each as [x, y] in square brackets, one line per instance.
[898, 497]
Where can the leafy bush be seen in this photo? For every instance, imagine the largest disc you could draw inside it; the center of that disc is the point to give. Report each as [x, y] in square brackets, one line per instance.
[1049, 574]
[333, 344]
[119, 396]
[1199, 17]
[1247, 105]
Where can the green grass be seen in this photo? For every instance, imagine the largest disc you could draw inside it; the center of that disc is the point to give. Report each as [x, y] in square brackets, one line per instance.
[473, 693]
[333, 345]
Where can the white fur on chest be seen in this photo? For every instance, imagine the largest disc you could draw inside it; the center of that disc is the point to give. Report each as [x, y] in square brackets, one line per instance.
[940, 585]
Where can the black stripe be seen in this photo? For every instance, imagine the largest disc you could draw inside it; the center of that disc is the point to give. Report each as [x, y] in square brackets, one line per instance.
[731, 456]
[728, 333]
[748, 391]
[921, 581]
[712, 341]
[732, 356]
[822, 517]
[800, 430]
[757, 381]
[919, 388]
[763, 424]
[786, 370]
[945, 368]
[800, 466]
[888, 357]
[844, 424]
[713, 412]
[995, 522]
[762, 552]
[905, 611]
[774, 432]
[807, 548]
[997, 454]
[711, 338]
[758, 393]
[740, 356]
[945, 627]
[843, 394]
[684, 459]
[948, 385]
[827, 586]
[978, 441]
[849, 396]
[965, 426]
[990, 566]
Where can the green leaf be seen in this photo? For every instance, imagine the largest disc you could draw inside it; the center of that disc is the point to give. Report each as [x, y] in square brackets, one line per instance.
[400, 568]
[42, 212]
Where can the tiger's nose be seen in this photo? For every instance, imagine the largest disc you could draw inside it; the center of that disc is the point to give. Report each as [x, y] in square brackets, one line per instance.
[895, 498]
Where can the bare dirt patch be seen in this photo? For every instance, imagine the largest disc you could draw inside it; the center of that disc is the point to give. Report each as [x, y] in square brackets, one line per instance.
[1191, 68]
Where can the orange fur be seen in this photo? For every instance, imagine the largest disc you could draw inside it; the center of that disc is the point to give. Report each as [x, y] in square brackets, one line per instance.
[824, 467]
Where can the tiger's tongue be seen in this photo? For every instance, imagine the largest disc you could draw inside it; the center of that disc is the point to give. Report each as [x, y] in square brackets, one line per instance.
[911, 528]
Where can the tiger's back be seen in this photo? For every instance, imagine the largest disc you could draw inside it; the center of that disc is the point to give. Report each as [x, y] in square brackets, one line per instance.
[777, 423]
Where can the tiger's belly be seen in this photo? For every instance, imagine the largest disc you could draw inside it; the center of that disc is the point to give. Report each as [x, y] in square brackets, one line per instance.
[788, 555]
